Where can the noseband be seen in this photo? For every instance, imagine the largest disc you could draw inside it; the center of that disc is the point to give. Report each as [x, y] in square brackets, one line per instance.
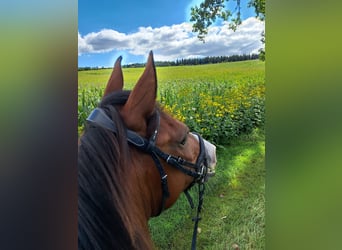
[200, 168]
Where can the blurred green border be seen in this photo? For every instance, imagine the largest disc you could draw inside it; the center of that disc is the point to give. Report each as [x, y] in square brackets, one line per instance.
[303, 125]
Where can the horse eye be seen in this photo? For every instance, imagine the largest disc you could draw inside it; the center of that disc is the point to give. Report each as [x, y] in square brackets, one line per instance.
[185, 138]
[183, 142]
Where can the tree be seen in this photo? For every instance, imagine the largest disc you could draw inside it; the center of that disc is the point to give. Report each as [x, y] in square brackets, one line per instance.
[204, 16]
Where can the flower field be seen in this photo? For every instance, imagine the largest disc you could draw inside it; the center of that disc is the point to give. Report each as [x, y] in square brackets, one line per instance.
[217, 111]
[219, 101]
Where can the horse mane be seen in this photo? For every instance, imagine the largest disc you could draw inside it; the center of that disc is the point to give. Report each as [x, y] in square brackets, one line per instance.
[103, 163]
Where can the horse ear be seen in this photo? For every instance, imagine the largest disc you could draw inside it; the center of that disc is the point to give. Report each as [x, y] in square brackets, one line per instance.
[115, 82]
[141, 102]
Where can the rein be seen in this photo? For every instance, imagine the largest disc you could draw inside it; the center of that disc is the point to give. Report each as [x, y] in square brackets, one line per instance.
[99, 117]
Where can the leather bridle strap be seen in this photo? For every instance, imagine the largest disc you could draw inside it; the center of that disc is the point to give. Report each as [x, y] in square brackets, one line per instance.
[163, 178]
[99, 117]
[201, 188]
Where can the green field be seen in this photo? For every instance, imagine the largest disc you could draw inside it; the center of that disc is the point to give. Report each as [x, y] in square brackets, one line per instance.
[222, 72]
[226, 104]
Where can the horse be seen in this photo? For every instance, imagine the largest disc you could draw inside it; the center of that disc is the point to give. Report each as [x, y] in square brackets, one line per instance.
[134, 161]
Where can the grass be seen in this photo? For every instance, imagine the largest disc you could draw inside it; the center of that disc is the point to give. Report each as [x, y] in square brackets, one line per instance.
[234, 203]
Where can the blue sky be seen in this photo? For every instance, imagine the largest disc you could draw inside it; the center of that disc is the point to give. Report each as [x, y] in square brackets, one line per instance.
[108, 28]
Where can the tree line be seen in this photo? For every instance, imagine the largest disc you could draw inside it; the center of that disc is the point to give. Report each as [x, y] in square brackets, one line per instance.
[189, 61]
[198, 61]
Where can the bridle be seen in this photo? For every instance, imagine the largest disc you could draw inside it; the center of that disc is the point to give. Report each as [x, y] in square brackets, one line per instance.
[198, 170]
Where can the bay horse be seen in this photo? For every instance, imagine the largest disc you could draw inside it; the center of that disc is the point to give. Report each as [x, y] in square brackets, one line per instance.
[134, 160]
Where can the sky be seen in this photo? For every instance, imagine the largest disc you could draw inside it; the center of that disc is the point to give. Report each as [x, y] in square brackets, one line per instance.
[108, 29]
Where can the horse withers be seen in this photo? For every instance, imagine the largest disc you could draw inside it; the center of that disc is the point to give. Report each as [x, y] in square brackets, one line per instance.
[134, 160]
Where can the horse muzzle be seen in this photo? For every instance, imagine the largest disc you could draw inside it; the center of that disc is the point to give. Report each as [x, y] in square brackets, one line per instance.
[209, 156]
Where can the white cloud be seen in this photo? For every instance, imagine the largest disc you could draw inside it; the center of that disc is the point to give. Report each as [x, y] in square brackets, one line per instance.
[176, 41]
